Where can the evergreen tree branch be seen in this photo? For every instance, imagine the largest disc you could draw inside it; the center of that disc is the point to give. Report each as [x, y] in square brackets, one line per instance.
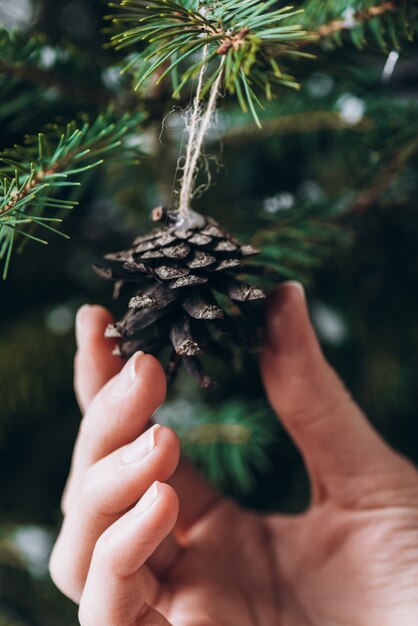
[361, 16]
[247, 36]
[36, 62]
[384, 179]
[33, 175]
[229, 442]
[388, 22]
[300, 240]
[43, 78]
[303, 122]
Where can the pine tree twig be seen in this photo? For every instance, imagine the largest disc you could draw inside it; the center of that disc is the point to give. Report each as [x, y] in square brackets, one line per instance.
[69, 71]
[306, 122]
[29, 188]
[249, 36]
[335, 26]
[368, 198]
[33, 175]
[300, 240]
[42, 78]
[228, 440]
[40, 177]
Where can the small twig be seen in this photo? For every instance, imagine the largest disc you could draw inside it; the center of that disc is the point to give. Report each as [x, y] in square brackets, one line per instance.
[233, 41]
[39, 177]
[40, 77]
[306, 122]
[362, 16]
[384, 179]
[18, 196]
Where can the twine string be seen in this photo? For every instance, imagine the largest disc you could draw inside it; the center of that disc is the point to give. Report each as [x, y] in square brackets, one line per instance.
[199, 124]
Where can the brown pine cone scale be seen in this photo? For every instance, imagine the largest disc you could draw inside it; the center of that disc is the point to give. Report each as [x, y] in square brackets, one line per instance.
[175, 271]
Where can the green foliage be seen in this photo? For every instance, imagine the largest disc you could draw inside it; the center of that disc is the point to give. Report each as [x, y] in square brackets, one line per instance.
[32, 69]
[385, 24]
[242, 39]
[300, 240]
[229, 442]
[34, 59]
[26, 350]
[33, 176]
[27, 595]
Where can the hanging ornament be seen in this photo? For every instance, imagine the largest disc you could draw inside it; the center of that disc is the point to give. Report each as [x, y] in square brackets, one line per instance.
[186, 292]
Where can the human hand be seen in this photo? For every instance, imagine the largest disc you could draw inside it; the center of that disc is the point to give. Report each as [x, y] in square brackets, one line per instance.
[350, 560]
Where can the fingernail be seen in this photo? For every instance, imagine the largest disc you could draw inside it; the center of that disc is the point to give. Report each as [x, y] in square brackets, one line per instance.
[139, 449]
[147, 500]
[294, 284]
[80, 323]
[126, 377]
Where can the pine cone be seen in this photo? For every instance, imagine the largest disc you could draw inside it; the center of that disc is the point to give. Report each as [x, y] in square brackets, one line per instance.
[175, 270]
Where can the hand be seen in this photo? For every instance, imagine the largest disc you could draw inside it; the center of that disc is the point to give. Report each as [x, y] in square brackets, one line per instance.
[137, 552]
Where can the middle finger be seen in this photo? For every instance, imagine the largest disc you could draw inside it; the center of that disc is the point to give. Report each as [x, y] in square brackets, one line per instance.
[117, 415]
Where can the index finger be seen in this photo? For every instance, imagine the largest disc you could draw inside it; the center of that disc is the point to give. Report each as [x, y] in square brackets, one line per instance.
[95, 364]
[118, 414]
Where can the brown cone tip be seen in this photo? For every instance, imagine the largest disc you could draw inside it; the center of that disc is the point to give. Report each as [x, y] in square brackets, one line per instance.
[180, 277]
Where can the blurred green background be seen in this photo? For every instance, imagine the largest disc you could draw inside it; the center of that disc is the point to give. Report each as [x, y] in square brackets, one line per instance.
[363, 298]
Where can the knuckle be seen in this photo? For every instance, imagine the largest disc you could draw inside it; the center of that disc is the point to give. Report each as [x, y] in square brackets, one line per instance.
[86, 429]
[60, 574]
[105, 552]
[88, 488]
[404, 477]
[68, 495]
[65, 504]
[147, 615]
[110, 555]
[309, 417]
[54, 569]
[86, 616]
[92, 423]
[100, 490]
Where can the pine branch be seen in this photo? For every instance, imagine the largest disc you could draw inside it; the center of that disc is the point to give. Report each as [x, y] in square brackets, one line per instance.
[229, 442]
[35, 62]
[33, 175]
[361, 16]
[300, 240]
[244, 38]
[43, 78]
[384, 179]
[388, 22]
[35, 387]
[306, 122]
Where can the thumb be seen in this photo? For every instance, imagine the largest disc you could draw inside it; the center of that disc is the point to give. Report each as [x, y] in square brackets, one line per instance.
[340, 448]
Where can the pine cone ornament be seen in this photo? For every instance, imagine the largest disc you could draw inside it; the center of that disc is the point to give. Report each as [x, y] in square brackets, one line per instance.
[174, 272]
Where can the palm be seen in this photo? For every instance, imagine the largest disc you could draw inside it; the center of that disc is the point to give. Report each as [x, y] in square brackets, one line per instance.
[242, 568]
[194, 559]
[208, 580]
[348, 568]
